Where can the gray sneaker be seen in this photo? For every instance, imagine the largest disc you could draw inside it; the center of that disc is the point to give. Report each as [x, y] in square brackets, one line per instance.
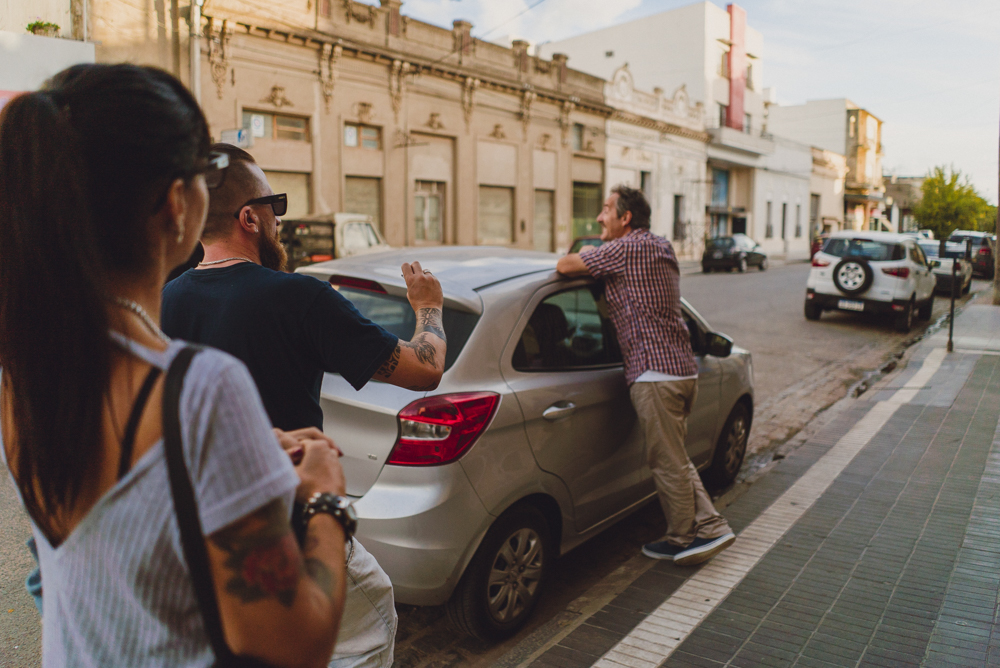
[702, 549]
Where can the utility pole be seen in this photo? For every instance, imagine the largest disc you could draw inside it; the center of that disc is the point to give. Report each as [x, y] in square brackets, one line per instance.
[194, 22]
[996, 249]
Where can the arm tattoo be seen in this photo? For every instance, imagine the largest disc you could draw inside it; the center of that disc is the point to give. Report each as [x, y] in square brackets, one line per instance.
[430, 320]
[262, 556]
[390, 364]
[425, 351]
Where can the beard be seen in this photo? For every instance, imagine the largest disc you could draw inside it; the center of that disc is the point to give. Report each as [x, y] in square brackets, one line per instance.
[272, 254]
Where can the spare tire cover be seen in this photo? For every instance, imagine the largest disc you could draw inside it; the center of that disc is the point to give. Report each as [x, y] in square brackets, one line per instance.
[853, 275]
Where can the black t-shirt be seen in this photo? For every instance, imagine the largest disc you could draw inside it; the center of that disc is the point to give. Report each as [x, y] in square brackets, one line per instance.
[287, 328]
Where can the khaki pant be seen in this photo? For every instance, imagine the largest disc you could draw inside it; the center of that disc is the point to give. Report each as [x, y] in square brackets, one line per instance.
[663, 409]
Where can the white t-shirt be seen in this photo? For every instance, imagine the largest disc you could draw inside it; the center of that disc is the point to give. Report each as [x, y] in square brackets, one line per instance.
[659, 377]
[117, 591]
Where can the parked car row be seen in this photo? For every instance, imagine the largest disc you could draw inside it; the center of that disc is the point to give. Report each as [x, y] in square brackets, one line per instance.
[468, 494]
[983, 247]
[954, 254]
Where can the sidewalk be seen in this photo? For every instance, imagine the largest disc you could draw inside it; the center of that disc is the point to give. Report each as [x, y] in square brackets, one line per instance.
[875, 543]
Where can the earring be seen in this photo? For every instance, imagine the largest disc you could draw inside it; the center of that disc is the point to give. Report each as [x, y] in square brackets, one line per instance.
[180, 233]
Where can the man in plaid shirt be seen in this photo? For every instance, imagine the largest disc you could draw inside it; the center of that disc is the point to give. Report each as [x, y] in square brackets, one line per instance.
[642, 286]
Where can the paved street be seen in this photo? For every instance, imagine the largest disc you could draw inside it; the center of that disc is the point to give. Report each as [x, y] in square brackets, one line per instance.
[801, 367]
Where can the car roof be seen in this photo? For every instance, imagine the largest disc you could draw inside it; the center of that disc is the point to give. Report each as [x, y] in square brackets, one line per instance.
[462, 270]
[970, 233]
[887, 237]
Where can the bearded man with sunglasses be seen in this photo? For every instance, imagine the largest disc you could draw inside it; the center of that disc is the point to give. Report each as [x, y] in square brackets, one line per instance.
[288, 329]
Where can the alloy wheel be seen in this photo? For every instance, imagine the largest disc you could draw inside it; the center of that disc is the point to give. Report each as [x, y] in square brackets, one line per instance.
[736, 445]
[515, 575]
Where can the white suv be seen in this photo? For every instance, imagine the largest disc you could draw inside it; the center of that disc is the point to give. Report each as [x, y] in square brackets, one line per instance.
[871, 272]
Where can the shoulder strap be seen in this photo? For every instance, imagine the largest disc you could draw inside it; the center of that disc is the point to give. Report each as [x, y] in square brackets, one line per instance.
[128, 442]
[186, 508]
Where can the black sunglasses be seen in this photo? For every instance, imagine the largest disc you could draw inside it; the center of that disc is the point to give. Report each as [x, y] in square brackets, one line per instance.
[215, 172]
[279, 204]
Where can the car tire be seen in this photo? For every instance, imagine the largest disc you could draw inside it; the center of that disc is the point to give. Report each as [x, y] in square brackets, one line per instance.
[763, 264]
[741, 265]
[705, 269]
[853, 276]
[904, 321]
[926, 309]
[813, 311]
[730, 449]
[519, 541]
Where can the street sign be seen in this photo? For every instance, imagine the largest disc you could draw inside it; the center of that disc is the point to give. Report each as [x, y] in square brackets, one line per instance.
[240, 138]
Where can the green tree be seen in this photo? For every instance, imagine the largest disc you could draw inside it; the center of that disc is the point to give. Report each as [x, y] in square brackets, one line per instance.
[949, 202]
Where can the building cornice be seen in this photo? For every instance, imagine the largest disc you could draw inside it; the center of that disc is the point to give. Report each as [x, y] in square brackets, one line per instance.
[314, 39]
[659, 126]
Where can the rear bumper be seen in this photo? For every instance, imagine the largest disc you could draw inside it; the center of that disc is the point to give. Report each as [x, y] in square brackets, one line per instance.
[422, 524]
[833, 303]
[943, 283]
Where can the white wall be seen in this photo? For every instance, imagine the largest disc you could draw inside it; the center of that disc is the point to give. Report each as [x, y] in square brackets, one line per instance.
[15, 15]
[661, 50]
[784, 179]
[821, 123]
[27, 60]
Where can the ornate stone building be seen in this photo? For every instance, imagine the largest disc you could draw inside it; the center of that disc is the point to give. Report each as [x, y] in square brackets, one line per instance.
[441, 137]
[658, 143]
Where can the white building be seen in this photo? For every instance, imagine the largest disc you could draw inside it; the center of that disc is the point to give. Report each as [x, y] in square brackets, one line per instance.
[718, 60]
[657, 143]
[843, 127]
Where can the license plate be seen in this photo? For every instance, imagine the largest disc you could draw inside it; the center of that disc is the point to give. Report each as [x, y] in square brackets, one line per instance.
[850, 305]
[717, 254]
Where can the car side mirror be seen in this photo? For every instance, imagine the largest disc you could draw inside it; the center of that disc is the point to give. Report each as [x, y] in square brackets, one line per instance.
[718, 345]
[934, 264]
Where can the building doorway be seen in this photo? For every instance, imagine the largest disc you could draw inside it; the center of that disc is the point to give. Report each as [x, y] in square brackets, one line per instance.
[739, 225]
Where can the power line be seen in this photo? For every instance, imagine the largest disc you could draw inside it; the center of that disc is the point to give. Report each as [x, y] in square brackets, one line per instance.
[513, 18]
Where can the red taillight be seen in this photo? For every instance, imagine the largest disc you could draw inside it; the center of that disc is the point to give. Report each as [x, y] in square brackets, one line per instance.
[817, 262]
[984, 251]
[898, 272]
[439, 429]
[320, 258]
[356, 283]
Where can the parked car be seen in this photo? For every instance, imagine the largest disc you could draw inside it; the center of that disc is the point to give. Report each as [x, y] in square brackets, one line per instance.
[528, 447]
[872, 272]
[983, 245]
[328, 236]
[736, 252]
[580, 242]
[953, 254]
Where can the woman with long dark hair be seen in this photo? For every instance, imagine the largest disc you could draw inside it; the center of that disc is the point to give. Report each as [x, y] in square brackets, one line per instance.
[104, 178]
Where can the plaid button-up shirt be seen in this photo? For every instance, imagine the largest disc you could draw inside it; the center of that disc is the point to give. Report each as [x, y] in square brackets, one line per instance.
[642, 286]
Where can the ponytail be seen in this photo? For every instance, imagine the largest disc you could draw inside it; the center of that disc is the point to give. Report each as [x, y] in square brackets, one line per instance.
[79, 185]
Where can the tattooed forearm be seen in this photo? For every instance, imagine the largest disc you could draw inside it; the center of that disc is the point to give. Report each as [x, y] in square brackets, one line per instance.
[321, 575]
[262, 556]
[425, 351]
[390, 364]
[430, 320]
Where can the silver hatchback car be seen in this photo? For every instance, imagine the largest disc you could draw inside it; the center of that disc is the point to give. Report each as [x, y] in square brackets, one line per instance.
[528, 447]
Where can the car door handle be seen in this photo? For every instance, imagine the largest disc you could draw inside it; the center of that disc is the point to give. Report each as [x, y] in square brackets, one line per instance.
[554, 412]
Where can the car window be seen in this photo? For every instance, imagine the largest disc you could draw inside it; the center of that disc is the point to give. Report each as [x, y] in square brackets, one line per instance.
[876, 251]
[916, 255]
[370, 235]
[568, 330]
[354, 237]
[930, 250]
[724, 242]
[396, 315]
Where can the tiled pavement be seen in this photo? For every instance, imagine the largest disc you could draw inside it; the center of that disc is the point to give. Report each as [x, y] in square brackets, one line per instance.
[896, 562]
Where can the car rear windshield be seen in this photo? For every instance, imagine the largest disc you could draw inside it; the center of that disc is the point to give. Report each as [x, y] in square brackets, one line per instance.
[396, 315]
[724, 242]
[951, 250]
[876, 251]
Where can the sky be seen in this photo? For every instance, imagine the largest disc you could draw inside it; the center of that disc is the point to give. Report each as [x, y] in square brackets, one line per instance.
[930, 69]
